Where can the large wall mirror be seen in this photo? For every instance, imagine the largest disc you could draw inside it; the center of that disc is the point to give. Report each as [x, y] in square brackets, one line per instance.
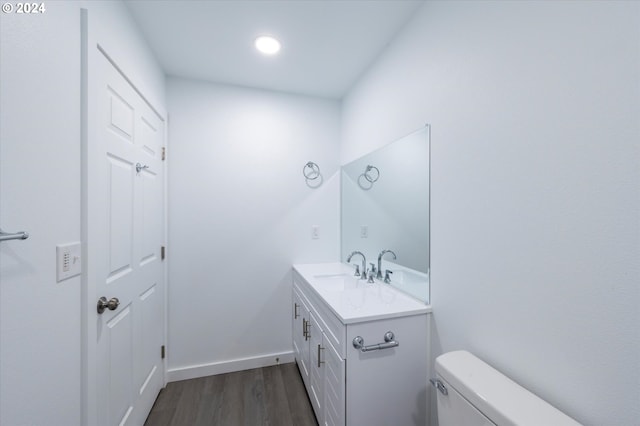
[385, 206]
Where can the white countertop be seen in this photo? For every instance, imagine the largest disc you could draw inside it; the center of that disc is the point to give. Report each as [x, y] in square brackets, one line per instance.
[354, 300]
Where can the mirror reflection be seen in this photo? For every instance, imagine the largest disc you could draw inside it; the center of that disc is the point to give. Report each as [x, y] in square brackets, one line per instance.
[385, 212]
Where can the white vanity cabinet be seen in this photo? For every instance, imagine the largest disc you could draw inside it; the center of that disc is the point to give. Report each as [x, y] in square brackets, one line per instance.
[348, 386]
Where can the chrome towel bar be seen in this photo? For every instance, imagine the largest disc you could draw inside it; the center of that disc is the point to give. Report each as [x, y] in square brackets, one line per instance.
[6, 236]
[358, 343]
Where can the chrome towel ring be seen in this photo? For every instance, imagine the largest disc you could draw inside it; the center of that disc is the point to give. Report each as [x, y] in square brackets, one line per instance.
[370, 175]
[311, 171]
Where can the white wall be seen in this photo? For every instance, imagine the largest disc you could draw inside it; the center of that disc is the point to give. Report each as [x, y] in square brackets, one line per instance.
[535, 108]
[39, 193]
[240, 214]
[40, 320]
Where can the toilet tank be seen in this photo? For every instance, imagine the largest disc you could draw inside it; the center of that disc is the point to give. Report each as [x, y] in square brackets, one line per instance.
[479, 395]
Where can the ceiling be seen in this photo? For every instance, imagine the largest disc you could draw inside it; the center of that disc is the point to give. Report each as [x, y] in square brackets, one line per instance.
[326, 44]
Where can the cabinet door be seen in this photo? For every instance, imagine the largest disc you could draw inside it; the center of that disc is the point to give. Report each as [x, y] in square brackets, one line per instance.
[300, 317]
[297, 325]
[334, 386]
[316, 366]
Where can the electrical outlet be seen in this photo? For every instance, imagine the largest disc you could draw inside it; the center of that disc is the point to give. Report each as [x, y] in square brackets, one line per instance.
[315, 232]
[364, 231]
[68, 261]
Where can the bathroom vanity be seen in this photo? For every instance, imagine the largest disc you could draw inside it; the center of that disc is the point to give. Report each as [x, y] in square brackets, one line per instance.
[361, 347]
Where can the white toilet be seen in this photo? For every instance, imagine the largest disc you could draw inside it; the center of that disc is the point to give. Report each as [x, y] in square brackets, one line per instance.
[472, 393]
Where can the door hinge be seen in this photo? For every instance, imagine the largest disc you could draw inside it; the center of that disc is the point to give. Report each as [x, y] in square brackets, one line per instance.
[162, 255]
[162, 352]
[164, 153]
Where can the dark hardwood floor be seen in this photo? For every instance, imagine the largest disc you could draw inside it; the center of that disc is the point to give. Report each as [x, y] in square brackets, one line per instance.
[264, 396]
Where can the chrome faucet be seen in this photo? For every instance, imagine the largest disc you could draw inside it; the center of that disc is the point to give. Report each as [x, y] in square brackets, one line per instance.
[363, 273]
[382, 253]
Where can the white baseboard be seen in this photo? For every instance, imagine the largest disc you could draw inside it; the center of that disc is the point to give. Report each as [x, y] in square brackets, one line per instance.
[203, 370]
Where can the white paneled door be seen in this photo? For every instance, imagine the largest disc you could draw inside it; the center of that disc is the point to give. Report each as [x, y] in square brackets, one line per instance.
[125, 235]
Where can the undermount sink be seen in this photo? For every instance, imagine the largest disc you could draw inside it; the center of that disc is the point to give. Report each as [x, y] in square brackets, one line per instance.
[336, 282]
[331, 275]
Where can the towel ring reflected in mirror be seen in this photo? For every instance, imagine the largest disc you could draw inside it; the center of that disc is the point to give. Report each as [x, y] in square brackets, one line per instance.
[371, 175]
[311, 171]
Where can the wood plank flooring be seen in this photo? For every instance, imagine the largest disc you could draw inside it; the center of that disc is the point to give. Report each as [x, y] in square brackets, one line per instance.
[272, 396]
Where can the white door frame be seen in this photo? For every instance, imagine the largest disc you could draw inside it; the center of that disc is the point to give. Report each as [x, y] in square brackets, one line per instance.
[90, 49]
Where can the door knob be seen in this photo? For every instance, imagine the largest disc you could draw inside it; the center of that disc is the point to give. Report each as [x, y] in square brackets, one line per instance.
[140, 167]
[111, 304]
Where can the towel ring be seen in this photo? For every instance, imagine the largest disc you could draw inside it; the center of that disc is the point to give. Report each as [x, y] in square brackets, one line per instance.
[367, 174]
[311, 171]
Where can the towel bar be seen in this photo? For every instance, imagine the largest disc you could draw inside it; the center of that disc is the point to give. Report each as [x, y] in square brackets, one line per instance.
[389, 342]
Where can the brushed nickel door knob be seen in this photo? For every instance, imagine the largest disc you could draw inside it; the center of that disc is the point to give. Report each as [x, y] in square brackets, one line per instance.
[110, 304]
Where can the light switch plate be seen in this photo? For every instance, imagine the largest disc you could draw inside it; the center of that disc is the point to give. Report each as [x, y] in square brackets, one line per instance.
[68, 260]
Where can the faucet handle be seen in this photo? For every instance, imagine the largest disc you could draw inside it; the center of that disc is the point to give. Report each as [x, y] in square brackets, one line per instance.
[357, 273]
[387, 277]
[373, 267]
[370, 280]
[363, 274]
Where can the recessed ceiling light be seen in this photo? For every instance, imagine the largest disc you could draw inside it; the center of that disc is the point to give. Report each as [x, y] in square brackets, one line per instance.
[267, 45]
